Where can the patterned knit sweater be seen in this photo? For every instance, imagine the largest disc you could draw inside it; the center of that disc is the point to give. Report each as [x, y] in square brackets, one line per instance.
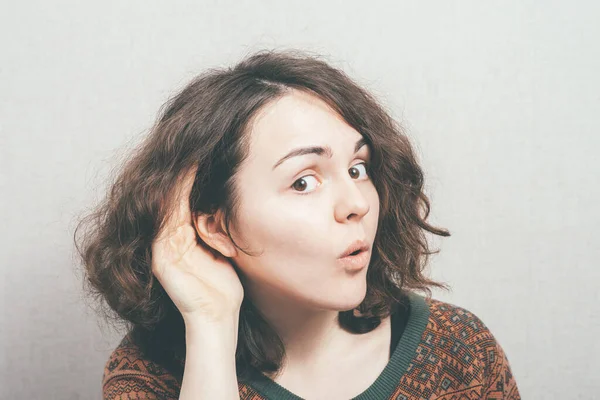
[445, 353]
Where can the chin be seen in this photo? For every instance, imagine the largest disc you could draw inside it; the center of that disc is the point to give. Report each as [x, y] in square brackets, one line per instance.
[347, 298]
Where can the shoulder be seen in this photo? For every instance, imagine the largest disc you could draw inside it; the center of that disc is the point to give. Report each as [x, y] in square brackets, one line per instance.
[460, 323]
[462, 334]
[129, 374]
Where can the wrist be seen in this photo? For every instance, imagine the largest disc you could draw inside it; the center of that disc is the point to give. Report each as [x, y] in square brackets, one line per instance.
[217, 332]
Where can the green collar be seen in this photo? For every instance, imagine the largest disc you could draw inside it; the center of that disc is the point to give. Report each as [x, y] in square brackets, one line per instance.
[387, 382]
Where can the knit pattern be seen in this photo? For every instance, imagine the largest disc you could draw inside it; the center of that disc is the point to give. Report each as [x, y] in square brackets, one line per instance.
[457, 358]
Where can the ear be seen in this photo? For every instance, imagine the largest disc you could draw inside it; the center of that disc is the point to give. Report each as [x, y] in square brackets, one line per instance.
[212, 231]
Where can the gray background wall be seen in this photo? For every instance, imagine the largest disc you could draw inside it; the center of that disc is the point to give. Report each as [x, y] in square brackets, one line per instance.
[501, 99]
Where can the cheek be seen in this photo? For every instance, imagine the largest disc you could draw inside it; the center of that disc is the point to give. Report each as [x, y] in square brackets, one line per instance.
[290, 246]
[278, 228]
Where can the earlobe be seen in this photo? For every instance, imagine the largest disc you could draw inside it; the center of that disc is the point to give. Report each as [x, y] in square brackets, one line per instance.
[211, 232]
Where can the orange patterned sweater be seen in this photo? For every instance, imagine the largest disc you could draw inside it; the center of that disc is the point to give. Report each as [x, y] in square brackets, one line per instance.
[445, 353]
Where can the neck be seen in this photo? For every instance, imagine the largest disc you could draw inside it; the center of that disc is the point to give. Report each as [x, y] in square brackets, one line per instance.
[312, 336]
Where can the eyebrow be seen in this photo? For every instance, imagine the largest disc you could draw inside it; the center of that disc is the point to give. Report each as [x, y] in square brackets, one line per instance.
[318, 150]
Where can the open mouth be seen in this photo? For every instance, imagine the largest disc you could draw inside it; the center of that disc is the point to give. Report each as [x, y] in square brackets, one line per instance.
[355, 261]
[355, 253]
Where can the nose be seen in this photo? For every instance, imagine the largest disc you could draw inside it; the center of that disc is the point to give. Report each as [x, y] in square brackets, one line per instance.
[351, 202]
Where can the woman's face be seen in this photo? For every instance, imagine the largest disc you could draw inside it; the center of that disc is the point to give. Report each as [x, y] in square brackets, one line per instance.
[301, 214]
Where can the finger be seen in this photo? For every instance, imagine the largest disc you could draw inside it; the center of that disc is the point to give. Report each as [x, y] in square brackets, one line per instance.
[168, 250]
[184, 213]
[181, 214]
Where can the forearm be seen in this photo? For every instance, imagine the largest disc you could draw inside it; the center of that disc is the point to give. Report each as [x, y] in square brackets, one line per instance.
[210, 362]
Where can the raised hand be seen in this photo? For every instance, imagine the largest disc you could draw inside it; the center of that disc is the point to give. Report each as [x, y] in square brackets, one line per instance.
[202, 283]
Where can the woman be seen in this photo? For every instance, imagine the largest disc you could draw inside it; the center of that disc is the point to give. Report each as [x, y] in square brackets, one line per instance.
[267, 240]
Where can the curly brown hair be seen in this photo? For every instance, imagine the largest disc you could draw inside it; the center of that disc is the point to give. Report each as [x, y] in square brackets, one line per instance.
[204, 127]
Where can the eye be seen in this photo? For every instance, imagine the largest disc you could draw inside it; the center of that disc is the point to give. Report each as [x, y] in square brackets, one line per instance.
[364, 167]
[301, 184]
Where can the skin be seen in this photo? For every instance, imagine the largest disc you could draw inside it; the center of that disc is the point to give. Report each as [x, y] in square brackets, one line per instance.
[299, 228]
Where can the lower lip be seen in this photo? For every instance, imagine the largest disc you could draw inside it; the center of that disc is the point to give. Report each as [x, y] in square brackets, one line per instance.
[355, 263]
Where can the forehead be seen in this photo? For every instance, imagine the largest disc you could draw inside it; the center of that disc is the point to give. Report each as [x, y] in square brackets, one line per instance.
[297, 119]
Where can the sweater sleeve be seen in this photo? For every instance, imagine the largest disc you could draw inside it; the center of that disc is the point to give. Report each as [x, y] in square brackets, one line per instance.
[127, 387]
[127, 375]
[499, 382]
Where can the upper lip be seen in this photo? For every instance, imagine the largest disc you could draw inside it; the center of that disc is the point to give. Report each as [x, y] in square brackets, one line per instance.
[356, 245]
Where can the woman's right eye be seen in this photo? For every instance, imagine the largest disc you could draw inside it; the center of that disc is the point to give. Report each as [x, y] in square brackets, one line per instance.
[301, 184]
